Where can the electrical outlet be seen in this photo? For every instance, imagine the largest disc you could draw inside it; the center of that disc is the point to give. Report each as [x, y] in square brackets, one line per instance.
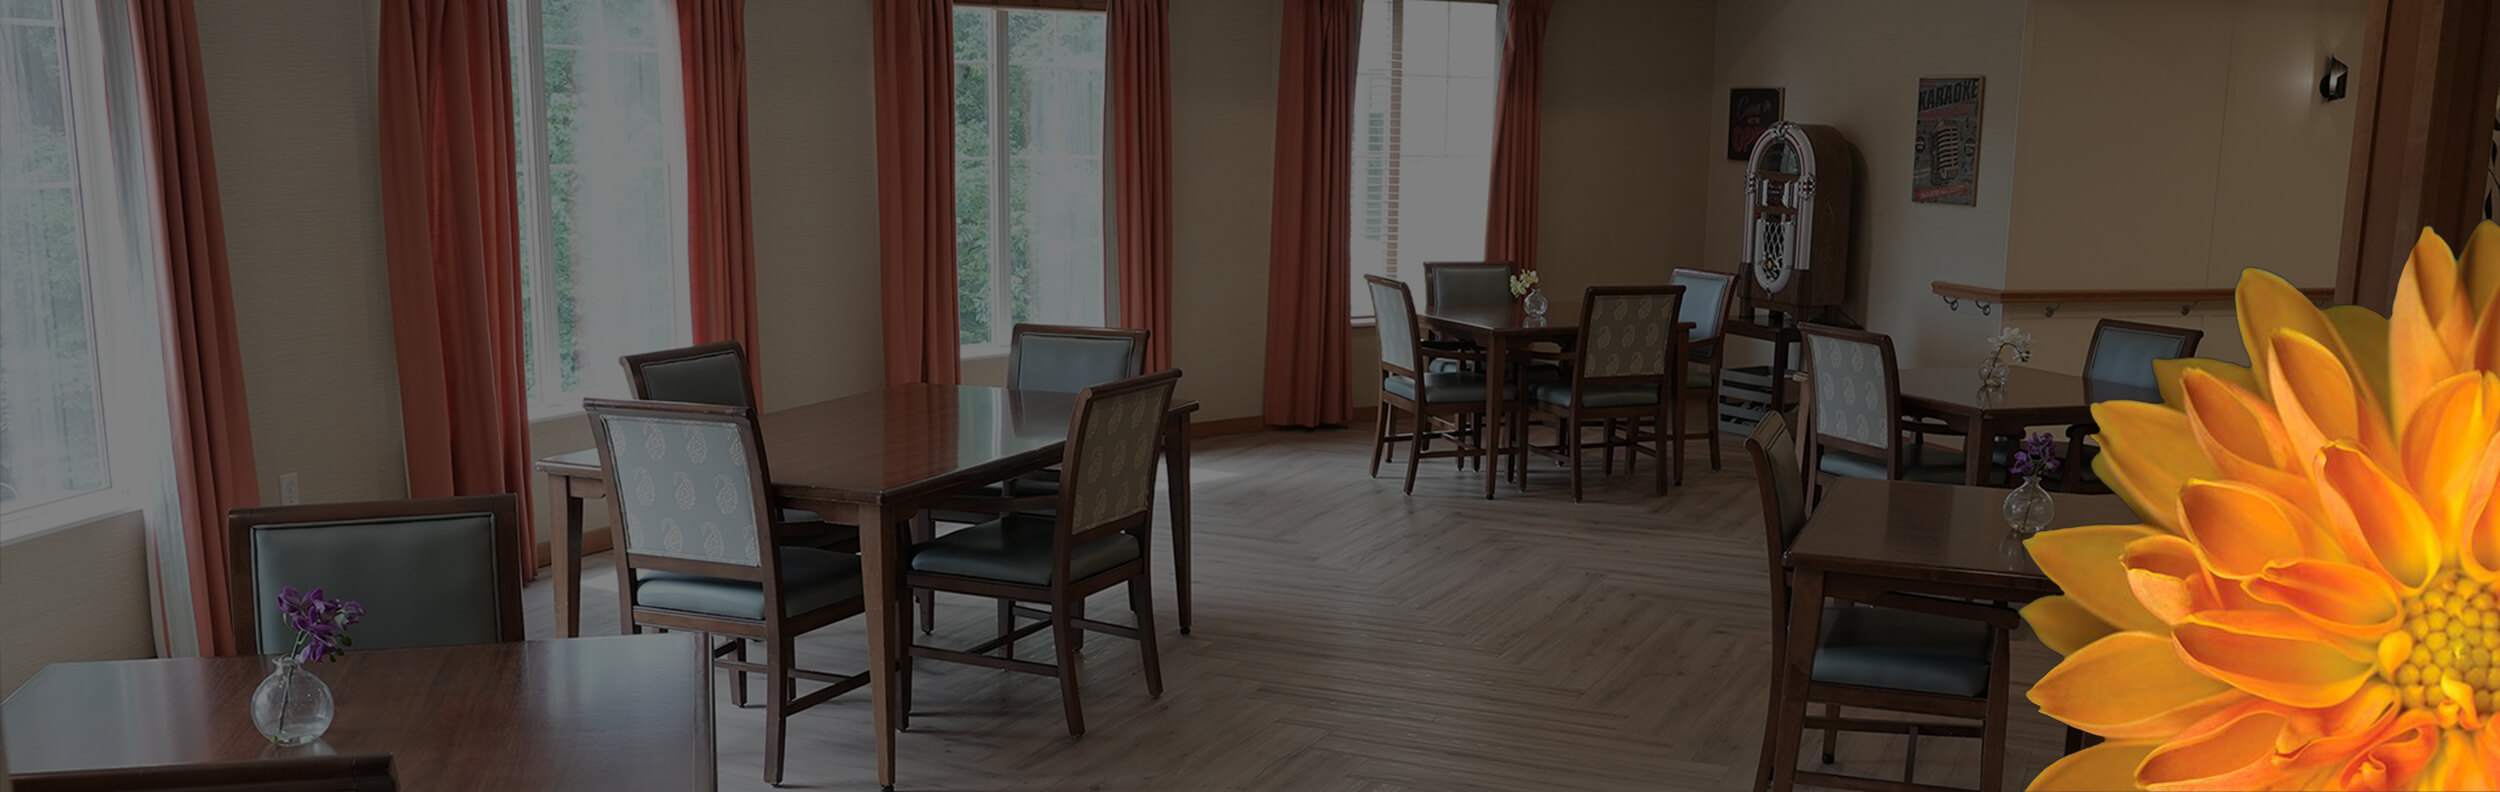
[288, 493]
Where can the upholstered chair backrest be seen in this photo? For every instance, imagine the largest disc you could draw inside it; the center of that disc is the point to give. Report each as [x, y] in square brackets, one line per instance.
[1113, 439]
[713, 373]
[1059, 359]
[1628, 331]
[1393, 308]
[1456, 284]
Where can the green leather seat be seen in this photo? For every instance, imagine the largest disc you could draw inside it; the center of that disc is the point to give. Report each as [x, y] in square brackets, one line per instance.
[810, 578]
[1625, 395]
[1444, 388]
[1901, 650]
[1936, 466]
[1016, 549]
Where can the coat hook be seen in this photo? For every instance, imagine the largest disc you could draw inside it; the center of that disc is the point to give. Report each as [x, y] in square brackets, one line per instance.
[1951, 303]
[1983, 306]
[2050, 310]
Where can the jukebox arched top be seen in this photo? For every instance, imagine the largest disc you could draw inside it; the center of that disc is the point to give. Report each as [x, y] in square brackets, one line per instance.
[1798, 186]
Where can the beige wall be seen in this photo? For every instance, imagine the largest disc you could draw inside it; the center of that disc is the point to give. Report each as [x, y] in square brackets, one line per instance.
[1855, 66]
[2172, 145]
[75, 594]
[1223, 169]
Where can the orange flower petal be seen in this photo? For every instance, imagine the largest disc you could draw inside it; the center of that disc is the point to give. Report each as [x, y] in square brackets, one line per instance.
[2085, 562]
[2379, 522]
[2317, 398]
[2319, 738]
[2168, 372]
[2148, 452]
[2345, 599]
[2277, 656]
[2479, 265]
[2238, 755]
[2444, 444]
[2063, 626]
[2481, 550]
[2427, 327]
[2103, 767]
[2392, 762]
[2241, 528]
[2457, 766]
[2266, 304]
[2130, 685]
[2364, 346]
[2240, 433]
[2167, 577]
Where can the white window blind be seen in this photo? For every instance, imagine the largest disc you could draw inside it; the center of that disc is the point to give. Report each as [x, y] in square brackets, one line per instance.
[1425, 85]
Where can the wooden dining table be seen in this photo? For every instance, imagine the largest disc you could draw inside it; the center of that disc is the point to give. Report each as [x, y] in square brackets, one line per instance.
[1937, 539]
[875, 460]
[2031, 397]
[609, 713]
[1502, 330]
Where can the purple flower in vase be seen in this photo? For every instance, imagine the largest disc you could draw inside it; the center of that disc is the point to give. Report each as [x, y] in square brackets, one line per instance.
[320, 623]
[2037, 457]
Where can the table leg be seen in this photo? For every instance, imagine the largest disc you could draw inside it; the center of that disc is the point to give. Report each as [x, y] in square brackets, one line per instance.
[568, 560]
[1794, 674]
[1779, 373]
[1496, 368]
[1977, 444]
[878, 579]
[1176, 473]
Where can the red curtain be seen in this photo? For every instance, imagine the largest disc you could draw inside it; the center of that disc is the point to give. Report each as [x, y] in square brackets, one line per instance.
[712, 54]
[915, 56]
[1141, 155]
[1510, 222]
[448, 215]
[1308, 269]
[212, 424]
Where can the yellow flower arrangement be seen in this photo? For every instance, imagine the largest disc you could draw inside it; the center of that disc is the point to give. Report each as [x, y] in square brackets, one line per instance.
[1523, 283]
[2310, 600]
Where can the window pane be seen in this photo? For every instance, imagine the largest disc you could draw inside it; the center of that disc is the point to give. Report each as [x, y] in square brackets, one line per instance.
[972, 111]
[1047, 136]
[972, 250]
[972, 34]
[51, 428]
[1425, 89]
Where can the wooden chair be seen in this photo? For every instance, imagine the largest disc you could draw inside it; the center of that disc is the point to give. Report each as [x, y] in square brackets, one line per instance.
[692, 509]
[717, 373]
[1905, 654]
[430, 572]
[1455, 397]
[365, 773]
[2122, 354]
[1464, 283]
[1854, 384]
[1096, 537]
[1707, 296]
[1625, 368]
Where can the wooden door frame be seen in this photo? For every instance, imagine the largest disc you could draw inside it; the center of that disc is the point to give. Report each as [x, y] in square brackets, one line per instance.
[2428, 84]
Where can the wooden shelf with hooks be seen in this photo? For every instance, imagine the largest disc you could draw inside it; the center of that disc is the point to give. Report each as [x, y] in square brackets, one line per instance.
[1986, 299]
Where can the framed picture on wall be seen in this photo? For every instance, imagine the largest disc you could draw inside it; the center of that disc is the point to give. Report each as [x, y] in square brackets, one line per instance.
[1750, 112]
[1945, 167]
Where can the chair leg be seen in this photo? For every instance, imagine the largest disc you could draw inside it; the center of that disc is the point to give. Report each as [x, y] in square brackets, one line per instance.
[1141, 601]
[1607, 447]
[1670, 430]
[737, 677]
[1571, 441]
[1458, 432]
[1831, 737]
[1380, 434]
[1007, 624]
[1992, 732]
[1062, 632]
[1415, 452]
[902, 678]
[777, 658]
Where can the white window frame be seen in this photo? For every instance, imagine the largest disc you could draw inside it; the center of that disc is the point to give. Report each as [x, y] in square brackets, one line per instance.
[530, 152]
[1360, 308]
[1002, 282]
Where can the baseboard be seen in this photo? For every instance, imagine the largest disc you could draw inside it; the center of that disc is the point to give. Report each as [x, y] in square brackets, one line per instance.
[1227, 426]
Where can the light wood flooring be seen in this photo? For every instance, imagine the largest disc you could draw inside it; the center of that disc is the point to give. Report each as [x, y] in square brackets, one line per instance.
[1351, 638]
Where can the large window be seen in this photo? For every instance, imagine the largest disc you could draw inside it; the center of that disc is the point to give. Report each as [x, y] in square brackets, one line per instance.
[1425, 84]
[78, 353]
[600, 138]
[1028, 171]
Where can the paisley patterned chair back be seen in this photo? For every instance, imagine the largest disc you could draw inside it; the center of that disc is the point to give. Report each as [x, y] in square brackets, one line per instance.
[690, 486]
[1451, 284]
[1856, 389]
[1394, 310]
[1627, 332]
[1108, 482]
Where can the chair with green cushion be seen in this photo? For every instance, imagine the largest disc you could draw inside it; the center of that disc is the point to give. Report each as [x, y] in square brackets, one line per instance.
[1441, 404]
[717, 373]
[430, 572]
[1853, 384]
[697, 550]
[1095, 537]
[1878, 650]
[1626, 367]
[1454, 284]
[1707, 296]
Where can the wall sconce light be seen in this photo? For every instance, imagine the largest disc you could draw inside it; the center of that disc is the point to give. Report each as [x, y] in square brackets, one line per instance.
[2332, 85]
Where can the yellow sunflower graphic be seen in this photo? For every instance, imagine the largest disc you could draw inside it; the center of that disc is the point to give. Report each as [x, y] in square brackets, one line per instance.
[2310, 600]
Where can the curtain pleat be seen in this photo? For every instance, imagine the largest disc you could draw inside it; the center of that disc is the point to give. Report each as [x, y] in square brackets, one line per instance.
[1511, 205]
[915, 110]
[1309, 264]
[452, 239]
[719, 210]
[213, 467]
[1141, 150]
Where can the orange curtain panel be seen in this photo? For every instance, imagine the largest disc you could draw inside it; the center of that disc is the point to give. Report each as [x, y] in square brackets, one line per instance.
[1510, 207]
[915, 65]
[212, 424]
[712, 45]
[1309, 265]
[448, 216]
[1141, 152]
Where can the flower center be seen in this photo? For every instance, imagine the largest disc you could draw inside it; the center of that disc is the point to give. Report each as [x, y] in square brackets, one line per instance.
[2456, 632]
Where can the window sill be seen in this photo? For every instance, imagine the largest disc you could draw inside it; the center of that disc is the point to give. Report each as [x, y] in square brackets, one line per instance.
[984, 352]
[553, 413]
[1366, 321]
[68, 514]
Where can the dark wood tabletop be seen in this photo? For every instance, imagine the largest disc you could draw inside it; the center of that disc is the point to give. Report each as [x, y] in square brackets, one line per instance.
[1560, 322]
[2029, 393]
[609, 713]
[1935, 532]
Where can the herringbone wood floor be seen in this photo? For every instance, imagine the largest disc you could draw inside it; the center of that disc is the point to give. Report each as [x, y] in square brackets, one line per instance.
[1350, 638]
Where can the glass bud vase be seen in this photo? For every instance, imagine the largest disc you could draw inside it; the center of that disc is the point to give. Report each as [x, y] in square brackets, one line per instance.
[292, 707]
[1534, 304]
[2029, 508]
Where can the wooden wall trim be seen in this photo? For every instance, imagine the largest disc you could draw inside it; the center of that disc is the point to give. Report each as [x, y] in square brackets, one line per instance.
[2427, 82]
